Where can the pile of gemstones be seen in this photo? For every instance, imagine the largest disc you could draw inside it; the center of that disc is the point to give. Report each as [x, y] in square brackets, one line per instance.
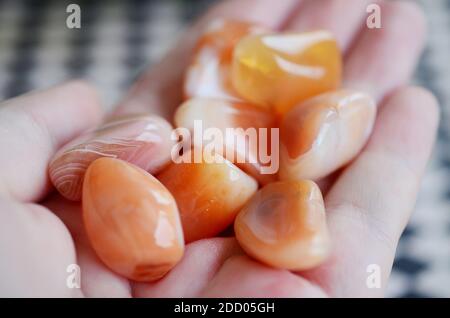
[140, 207]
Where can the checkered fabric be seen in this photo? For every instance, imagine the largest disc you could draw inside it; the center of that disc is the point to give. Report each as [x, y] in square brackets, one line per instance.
[118, 39]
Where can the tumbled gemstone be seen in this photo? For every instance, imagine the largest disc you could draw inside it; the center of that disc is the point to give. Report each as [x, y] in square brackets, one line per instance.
[245, 132]
[208, 74]
[209, 195]
[141, 140]
[284, 226]
[131, 220]
[278, 71]
[324, 133]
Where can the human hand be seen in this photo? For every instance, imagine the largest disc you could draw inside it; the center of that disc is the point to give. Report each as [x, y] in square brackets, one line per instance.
[368, 204]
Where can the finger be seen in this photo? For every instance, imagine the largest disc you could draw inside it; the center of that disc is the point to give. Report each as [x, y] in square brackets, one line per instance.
[33, 127]
[369, 205]
[368, 65]
[36, 250]
[384, 59]
[96, 279]
[344, 18]
[201, 261]
[158, 90]
[262, 12]
[242, 277]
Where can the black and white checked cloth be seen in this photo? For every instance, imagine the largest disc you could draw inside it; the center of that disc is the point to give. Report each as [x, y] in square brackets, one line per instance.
[117, 40]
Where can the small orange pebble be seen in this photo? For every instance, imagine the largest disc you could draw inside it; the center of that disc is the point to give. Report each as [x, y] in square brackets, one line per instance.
[131, 219]
[245, 131]
[209, 195]
[284, 226]
[324, 133]
[278, 71]
[141, 140]
[208, 74]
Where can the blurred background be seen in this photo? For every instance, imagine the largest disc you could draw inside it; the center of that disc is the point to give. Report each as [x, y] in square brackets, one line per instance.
[118, 39]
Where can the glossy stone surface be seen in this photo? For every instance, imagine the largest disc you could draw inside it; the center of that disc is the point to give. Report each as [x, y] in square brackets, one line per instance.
[209, 195]
[324, 133]
[208, 74]
[131, 219]
[141, 140]
[278, 71]
[284, 226]
[240, 146]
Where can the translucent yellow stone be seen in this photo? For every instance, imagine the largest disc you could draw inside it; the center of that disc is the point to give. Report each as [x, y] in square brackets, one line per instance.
[280, 70]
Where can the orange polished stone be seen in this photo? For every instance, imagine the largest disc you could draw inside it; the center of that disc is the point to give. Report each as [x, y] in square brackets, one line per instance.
[245, 132]
[284, 226]
[141, 140]
[324, 133]
[209, 195]
[278, 71]
[131, 219]
[208, 74]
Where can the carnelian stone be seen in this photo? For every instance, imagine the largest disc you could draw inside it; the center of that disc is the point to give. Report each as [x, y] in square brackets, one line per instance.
[278, 71]
[208, 74]
[209, 195]
[131, 219]
[141, 140]
[245, 132]
[324, 133]
[284, 226]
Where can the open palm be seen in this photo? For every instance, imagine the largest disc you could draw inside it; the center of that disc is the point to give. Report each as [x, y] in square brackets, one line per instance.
[368, 203]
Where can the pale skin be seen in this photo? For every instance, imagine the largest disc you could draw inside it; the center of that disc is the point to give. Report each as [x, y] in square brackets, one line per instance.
[368, 204]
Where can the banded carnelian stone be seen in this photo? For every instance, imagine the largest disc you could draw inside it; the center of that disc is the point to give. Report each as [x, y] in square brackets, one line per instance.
[324, 133]
[278, 71]
[284, 226]
[131, 220]
[140, 139]
[209, 195]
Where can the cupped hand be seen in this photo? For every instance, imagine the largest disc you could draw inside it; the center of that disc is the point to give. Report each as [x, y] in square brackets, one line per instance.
[368, 203]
